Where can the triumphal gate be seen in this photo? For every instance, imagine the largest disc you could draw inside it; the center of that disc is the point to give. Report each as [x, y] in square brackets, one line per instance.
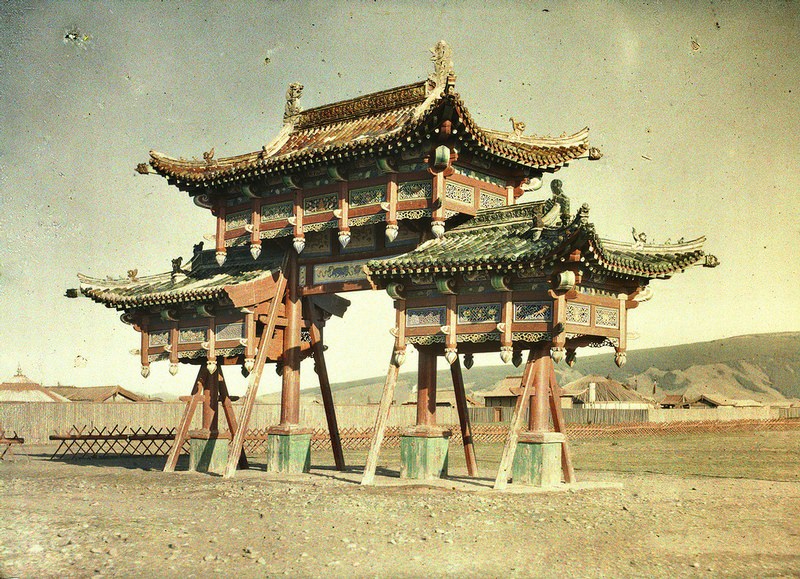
[398, 190]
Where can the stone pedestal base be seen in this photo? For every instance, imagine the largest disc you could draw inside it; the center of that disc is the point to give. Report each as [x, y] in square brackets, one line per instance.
[423, 453]
[288, 450]
[537, 460]
[208, 452]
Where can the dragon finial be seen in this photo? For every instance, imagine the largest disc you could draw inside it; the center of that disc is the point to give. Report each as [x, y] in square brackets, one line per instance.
[293, 95]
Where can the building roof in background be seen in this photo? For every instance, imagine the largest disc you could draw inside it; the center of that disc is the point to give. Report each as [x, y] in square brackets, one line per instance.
[96, 393]
[606, 390]
[20, 388]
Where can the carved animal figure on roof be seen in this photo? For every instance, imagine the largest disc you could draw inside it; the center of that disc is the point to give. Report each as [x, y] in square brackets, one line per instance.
[208, 156]
[132, 273]
[293, 95]
[517, 126]
[563, 201]
[639, 238]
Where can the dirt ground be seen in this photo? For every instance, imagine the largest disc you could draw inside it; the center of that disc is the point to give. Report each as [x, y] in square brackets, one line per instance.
[694, 506]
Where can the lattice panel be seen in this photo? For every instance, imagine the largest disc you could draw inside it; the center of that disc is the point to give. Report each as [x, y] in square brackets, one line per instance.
[414, 190]
[232, 331]
[578, 314]
[490, 200]
[418, 317]
[366, 196]
[321, 203]
[276, 211]
[237, 220]
[461, 193]
[606, 317]
[533, 312]
[192, 335]
[479, 313]
[160, 338]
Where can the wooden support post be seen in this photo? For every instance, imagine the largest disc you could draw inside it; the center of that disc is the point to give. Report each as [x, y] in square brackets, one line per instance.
[235, 449]
[426, 387]
[182, 433]
[560, 426]
[539, 420]
[230, 416]
[290, 393]
[510, 448]
[463, 417]
[325, 386]
[380, 423]
[211, 404]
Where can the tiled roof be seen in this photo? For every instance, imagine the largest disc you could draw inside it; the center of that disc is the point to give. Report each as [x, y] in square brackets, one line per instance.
[375, 124]
[16, 392]
[202, 279]
[505, 238]
[95, 393]
[606, 390]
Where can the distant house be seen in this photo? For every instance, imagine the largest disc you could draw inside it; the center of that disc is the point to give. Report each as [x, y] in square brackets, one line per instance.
[599, 392]
[22, 389]
[706, 401]
[673, 401]
[98, 394]
[444, 398]
[504, 394]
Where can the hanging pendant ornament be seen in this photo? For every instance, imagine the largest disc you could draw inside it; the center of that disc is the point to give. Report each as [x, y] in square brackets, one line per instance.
[620, 359]
[249, 364]
[212, 366]
[391, 232]
[558, 354]
[299, 244]
[173, 369]
[344, 238]
[437, 228]
[145, 371]
[221, 257]
[516, 359]
[255, 250]
[451, 355]
[469, 361]
[506, 353]
[571, 356]
[399, 357]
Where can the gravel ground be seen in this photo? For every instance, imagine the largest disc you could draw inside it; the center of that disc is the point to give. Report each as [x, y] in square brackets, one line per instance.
[126, 518]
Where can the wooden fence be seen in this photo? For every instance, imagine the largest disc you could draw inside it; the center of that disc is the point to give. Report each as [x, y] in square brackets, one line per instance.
[36, 421]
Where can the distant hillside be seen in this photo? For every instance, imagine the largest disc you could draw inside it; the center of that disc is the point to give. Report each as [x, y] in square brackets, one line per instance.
[763, 367]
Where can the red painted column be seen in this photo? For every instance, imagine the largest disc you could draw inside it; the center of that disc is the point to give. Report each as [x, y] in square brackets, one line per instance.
[539, 420]
[426, 389]
[290, 395]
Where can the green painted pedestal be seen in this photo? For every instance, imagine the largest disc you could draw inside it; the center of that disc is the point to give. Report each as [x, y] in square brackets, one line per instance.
[288, 451]
[423, 453]
[208, 453]
[537, 460]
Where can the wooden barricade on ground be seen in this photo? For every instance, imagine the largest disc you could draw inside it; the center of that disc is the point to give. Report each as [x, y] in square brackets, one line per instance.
[91, 442]
[7, 444]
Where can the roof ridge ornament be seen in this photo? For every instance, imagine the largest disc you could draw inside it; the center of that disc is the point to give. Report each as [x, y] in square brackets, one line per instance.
[441, 55]
[293, 109]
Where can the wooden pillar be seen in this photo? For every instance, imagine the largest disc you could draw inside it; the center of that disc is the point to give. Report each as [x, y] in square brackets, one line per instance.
[325, 386]
[290, 394]
[463, 417]
[182, 432]
[211, 404]
[539, 419]
[380, 422]
[426, 389]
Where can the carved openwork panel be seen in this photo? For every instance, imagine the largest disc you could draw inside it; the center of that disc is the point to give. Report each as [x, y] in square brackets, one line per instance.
[192, 335]
[321, 203]
[276, 211]
[479, 313]
[367, 196]
[606, 317]
[232, 331]
[533, 312]
[237, 220]
[578, 314]
[411, 190]
[160, 338]
[418, 317]
[339, 272]
[461, 193]
[490, 200]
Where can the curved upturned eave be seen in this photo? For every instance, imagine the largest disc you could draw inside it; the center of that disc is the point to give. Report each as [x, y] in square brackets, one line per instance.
[540, 153]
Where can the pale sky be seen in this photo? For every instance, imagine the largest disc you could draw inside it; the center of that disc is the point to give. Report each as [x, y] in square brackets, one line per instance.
[694, 105]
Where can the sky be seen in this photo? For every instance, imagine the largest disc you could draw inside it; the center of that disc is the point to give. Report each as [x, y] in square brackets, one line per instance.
[694, 105]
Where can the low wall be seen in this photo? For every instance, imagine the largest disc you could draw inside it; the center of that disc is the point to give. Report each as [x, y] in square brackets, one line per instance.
[36, 421]
[724, 413]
